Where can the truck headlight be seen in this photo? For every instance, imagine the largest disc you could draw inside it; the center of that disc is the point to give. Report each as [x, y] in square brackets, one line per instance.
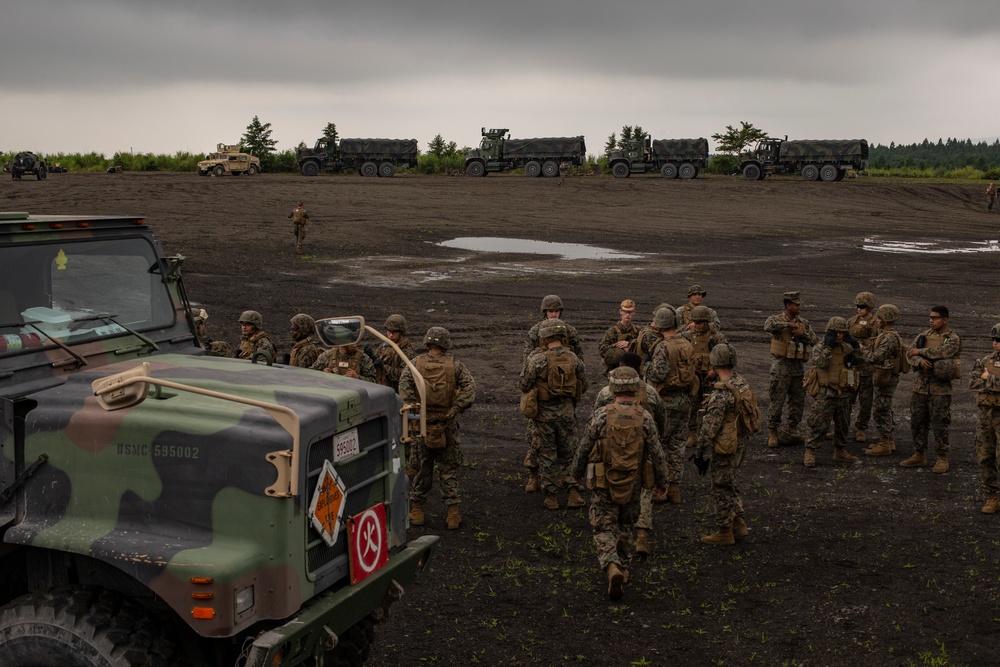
[244, 599]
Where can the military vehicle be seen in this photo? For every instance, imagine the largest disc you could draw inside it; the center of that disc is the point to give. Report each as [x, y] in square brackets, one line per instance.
[229, 159]
[671, 157]
[27, 162]
[370, 157]
[823, 159]
[161, 506]
[538, 157]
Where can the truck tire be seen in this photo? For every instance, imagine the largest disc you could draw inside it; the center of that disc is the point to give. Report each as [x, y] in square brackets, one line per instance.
[309, 168]
[354, 646]
[669, 170]
[828, 173]
[476, 169]
[252, 170]
[752, 172]
[82, 628]
[620, 170]
[550, 169]
[532, 169]
[218, 170]
[841, 174]
[810, 172]
[687, 171]
[369, 169]
[386, 170]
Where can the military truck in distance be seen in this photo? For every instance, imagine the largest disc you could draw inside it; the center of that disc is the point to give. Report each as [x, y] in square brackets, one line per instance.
[824, 159]
[370, 157]
[229, 159]
[671, 157]
[539, 157]
[161, 506]
[27, 162]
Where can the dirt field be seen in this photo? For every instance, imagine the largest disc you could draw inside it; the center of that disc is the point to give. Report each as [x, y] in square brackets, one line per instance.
[868, 564]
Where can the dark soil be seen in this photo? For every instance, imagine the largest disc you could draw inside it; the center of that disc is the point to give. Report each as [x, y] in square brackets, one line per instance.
[868, 564]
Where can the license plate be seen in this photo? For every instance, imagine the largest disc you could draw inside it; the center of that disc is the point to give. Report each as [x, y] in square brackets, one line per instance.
[346, 445]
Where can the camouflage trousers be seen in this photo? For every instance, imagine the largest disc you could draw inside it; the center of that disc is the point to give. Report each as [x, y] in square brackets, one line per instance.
[882, 413]
[612, 526]
[725, 493]
[448, 460]
[865, 395]
[829, 406]
[678, 412]
[555, 445]
[929, 412]
[786, 387]
[300, 234]
[531, 457]
[987, 442]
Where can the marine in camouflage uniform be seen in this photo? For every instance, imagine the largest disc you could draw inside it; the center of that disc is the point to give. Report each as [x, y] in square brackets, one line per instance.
[696, 296]
[554, 427]
[647, 339]
[300, 220]
[863, 328]
[834, 363]
[449, 457]
[612, 522]
[348, 360]
[792, 340]
[619, 338]
[985, 381]
[388, 365]
[885, 356]
[217, 348]
[703, 338]
[720, 426]
[934, 356]
[991, 197]
[304, 353]
[253, 338]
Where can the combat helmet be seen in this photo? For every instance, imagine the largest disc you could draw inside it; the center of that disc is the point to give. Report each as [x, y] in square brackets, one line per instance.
[865, 299]
[551, 302]
[199, 316]
[722, 355]
[701, 314]
[251, 317]
[837, 324]
[995, 332]
[623, 380]
[303, 324]
[395, 322]
[439, 337]
[665, 318]
[696, 289]
[552, 328]
[887, 313]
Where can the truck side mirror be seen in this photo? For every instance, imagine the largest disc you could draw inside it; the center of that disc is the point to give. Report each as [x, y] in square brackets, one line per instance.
[339, 331]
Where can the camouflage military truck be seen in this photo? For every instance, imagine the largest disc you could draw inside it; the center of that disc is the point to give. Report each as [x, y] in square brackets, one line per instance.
[823, 159]
[160, 506]
[370, 157]
[538, 157]
[27, 162]
[228, 159]
[671, 157]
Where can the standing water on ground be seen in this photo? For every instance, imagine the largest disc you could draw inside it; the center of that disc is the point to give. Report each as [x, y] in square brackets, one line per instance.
[564, 250]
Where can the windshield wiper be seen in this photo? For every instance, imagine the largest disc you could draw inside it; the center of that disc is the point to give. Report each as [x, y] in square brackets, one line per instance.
[80, 361]
[147, 343]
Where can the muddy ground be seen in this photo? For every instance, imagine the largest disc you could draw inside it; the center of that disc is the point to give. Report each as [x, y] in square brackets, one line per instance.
[868, 564]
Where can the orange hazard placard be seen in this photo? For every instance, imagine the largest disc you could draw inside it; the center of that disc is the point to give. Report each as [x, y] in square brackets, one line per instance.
[327, 507]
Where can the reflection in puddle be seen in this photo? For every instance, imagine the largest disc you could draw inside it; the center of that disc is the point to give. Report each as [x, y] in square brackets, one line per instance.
[930, 247]
[564, 250]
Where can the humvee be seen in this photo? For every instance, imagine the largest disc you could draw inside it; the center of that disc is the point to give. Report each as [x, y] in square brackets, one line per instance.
[228, 159]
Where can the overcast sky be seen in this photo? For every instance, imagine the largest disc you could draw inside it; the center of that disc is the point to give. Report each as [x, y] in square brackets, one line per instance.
[163, 76]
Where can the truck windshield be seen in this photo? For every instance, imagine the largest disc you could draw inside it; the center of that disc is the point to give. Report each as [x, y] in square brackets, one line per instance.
[69, 289]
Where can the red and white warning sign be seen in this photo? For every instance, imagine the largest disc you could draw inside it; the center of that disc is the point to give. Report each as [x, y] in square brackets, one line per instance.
[367, 542]
[327, 507]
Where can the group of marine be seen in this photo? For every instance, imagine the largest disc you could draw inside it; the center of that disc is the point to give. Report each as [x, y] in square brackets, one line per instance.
[672, 386]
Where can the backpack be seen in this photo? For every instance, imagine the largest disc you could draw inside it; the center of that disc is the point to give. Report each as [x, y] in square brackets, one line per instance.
[747, 412]
[623, 450]
[440, 380]
[560, 380]
[680, 354]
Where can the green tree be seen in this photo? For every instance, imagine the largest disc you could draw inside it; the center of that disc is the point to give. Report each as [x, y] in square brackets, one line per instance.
[611, 143]
[734, 140]
[439, 148]
[330, 132]
[257, 140]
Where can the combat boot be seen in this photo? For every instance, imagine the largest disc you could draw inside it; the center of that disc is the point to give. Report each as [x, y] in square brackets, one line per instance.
[551, 501]
[642, 541]
[615, 581]
[992, 504]
[721, 536]
[941, 465]
[830, 434]
[532, 484]
[861, 436]
[918, 460]
[674, 493]
[575, 499]
[691, 441]
[454, 518]
[740, 527]
[881, 448]
[841, 455]
[416, 514]
[809, 460]
[772, 437]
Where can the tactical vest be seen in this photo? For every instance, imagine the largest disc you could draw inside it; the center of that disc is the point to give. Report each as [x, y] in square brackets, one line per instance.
[341, 362]
[989, 399]
[299, 216]
[560, 380]
[837, 375]
[440, 381]
[248, 346]
[680, 355]
[947, 371]
[783, 347]
[897, 364]
[861, 329]
[700, 342]
[622, 450]
[389, 359]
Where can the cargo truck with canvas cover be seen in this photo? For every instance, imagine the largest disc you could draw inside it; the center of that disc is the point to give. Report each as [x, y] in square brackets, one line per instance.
[673, 158]
[163, 506]
[370, 157]
[538, 157]
[816, 159]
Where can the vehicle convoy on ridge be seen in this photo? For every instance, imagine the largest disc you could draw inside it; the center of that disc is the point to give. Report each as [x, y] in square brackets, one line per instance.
[673, 158]
[160, 506]
[229, 159]
[538, 157]
[823, 159]
[27, 162]
[370, 157]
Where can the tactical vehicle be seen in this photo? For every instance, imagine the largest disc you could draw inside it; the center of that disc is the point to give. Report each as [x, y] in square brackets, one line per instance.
[671, 157]
[161, 506]
[27, 162]
[370, 157]
[228, 159]
[538, 157]
[823, 159]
